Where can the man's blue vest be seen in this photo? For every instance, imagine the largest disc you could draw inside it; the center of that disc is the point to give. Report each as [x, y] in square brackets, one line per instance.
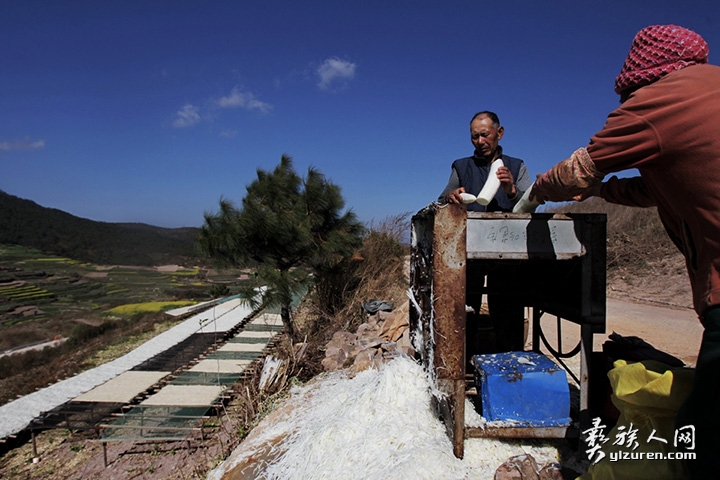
[473, 172]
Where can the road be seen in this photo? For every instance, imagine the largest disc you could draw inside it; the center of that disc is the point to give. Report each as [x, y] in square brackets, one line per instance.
[673, 330]
[35, 346]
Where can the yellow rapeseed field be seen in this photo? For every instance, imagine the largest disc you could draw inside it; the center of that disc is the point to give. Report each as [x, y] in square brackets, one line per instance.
[147, 307]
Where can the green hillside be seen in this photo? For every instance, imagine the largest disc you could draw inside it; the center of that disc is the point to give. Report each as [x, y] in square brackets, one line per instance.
[24, 222]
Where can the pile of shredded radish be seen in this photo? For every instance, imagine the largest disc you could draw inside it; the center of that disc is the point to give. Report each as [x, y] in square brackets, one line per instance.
[378, 424]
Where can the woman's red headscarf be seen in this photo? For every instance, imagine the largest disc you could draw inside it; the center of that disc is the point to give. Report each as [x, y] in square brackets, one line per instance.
[658, 50]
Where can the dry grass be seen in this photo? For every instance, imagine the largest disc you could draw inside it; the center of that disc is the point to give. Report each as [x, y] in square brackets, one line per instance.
[380, 272]
[375, 272]
[642, 262]
[635, 236]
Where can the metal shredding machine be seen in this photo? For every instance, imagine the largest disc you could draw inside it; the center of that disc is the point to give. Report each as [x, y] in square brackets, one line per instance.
[559, 264]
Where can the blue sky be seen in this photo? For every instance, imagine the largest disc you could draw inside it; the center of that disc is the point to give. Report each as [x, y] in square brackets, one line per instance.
[151, 111]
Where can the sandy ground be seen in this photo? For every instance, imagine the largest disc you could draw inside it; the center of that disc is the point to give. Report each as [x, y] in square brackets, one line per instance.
[676, 331]
[655, 306]
[673, 330]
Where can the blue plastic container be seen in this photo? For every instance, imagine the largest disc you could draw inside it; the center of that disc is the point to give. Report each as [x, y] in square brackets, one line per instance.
[523, 387]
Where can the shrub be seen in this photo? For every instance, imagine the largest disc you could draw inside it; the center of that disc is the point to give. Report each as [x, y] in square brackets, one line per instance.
[82, 332]
[219, 290]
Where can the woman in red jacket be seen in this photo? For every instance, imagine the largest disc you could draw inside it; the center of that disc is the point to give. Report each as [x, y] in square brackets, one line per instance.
[667, 128]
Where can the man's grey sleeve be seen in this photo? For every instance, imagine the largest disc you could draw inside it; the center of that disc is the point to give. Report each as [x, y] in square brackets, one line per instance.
[453, 184]
[522, 183]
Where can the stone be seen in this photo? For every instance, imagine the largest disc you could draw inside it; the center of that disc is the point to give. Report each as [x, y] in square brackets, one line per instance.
[363, 361]
[334, 362]
[523, 467]
[404, 344]
[551, 471]
[366, 329]
[382, 315]
[369, 342]
[507, 472]
[384, 336]
[341, 337]
[395, 324]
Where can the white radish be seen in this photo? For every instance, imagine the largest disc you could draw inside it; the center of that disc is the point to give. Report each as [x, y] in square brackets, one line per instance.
[468, 198]
[492, 184]
[525, 205]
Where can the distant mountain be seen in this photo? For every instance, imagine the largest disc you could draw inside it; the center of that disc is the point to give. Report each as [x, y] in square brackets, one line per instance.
[24, 222]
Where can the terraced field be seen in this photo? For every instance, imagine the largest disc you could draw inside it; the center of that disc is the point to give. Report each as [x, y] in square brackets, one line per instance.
[45, 296]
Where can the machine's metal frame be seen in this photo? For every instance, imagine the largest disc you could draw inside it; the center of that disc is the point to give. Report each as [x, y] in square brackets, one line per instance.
[561, 261]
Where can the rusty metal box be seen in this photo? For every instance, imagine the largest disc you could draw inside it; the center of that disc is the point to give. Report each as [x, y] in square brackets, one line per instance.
[525, 388]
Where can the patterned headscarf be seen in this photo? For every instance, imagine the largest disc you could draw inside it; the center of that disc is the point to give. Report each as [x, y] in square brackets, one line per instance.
[658, 50]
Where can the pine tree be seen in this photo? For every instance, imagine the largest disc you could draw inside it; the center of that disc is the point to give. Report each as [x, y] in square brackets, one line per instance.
[289, 229]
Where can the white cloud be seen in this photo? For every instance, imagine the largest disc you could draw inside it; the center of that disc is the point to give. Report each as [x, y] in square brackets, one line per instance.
[243, 99]
[334, 70]
[187, 116]
[25, 144]
[190, 115]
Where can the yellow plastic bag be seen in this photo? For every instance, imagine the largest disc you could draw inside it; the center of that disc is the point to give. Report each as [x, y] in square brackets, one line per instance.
[641, 444]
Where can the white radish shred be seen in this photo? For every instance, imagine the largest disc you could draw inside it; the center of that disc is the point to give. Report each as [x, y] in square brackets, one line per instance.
[367, 427]
[269, 371]
[379, 424]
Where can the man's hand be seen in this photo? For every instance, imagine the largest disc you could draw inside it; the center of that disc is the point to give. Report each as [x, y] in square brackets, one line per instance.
[507, 182]
[454, 196]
